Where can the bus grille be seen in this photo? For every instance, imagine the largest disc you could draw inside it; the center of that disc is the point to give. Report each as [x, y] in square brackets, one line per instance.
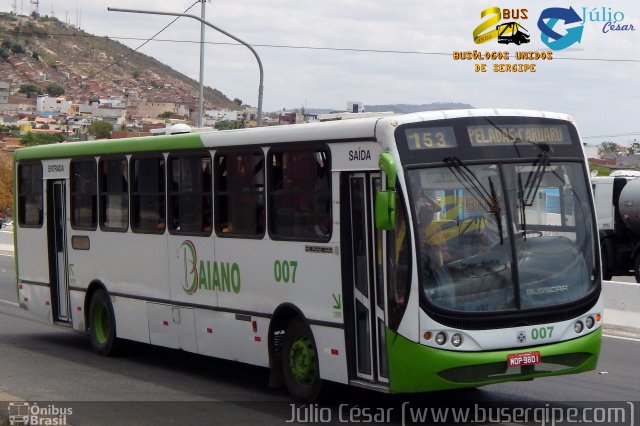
[498, 370]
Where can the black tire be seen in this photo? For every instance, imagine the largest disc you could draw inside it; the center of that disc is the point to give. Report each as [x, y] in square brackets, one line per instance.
[606, 254]
[300, 362]
[102, 324]
[636, 268]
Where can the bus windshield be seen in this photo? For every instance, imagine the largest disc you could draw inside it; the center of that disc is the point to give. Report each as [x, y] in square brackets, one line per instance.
[495, 237]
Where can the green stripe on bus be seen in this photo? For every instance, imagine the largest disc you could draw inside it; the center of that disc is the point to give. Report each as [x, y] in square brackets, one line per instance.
[415, 368]
[111, 146]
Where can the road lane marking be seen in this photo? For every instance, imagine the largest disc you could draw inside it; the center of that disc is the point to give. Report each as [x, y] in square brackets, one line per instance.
[4, 396]
[633, 339]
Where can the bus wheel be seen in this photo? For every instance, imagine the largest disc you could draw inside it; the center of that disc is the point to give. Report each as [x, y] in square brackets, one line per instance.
[300, 362]
[102, 324]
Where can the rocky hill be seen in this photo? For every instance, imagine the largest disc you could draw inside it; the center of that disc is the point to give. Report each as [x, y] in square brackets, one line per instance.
[46, 50]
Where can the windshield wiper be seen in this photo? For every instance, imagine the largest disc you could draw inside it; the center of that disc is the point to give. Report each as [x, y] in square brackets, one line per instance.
[472, 184]
[527, 193]
[534, 179]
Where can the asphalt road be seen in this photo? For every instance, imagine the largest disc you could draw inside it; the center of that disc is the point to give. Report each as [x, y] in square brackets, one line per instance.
[157, 386]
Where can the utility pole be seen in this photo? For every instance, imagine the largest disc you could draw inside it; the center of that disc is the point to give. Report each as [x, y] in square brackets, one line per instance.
[260, 87]
[201, 92]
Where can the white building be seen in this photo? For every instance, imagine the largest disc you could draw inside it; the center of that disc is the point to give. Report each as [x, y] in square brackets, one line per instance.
[220, 114]
[4, 92]
[113, 102]
[48, 104]
[116, 116]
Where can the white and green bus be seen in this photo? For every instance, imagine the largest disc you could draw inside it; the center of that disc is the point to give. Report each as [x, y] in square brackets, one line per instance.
[404, 253]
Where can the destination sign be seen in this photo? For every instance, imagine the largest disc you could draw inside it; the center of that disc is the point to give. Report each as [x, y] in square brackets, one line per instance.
[519, 133]
[430, 138]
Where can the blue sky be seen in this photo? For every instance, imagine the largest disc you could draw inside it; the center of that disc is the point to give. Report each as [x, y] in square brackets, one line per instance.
[402, 53]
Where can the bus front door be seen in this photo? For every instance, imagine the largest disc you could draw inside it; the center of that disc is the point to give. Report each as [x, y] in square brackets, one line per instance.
[57, 240]
[368, 313]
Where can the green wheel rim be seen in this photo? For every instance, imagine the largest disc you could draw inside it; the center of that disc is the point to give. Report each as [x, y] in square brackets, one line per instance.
[101, 324]
[302, 360]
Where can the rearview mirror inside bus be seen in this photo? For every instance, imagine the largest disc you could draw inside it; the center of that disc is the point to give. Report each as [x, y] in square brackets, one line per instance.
[385, 210]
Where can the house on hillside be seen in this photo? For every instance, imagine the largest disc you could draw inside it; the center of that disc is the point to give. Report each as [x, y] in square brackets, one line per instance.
[4, 92]
[115, 116]
[154, 109]
[47, 103]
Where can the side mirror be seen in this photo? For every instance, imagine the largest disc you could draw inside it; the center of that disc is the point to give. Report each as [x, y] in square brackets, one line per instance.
[388, 166]
[385, 210]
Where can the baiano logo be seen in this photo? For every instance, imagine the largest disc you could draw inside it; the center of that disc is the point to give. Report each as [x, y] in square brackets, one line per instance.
[548, 22]
[207, 274]
[190, 259]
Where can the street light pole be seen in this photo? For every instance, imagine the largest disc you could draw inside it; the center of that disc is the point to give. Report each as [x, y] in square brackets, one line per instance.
[260, 87]
[201, 88]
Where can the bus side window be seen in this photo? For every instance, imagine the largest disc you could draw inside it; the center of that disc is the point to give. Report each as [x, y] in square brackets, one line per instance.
[84, 194]
[30, 195]
[300, 195]
[114, 194]
[239, 192]
[147, 194]
[190, 203]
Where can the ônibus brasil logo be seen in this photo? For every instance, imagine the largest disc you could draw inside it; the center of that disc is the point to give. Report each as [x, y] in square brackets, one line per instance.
[207, 274]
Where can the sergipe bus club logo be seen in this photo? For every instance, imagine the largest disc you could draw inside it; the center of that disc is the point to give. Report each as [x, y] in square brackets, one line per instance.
[509, 32]
[560, 27]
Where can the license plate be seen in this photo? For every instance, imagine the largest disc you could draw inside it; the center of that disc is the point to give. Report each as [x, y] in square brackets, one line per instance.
[523, 358]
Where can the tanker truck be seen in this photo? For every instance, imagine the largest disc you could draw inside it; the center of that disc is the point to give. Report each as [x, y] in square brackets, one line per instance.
[617, 202]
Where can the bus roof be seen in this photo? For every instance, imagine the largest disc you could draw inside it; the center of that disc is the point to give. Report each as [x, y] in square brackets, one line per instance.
[331, 131]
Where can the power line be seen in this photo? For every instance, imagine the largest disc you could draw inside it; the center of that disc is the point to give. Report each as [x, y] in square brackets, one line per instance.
[338, 49]
[139, 47]
[616, 135]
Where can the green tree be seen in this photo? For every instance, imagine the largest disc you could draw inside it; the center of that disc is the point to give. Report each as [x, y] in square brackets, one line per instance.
[238, 102]
[17, 48]
[4, 54]
[136, 74]
[35, 55]
[31, 139]
[6, 184]
[54, 89]
[100, 129]
[634, 148]
[610, 149]
[229, 125]
[29, 89]
[166, 114]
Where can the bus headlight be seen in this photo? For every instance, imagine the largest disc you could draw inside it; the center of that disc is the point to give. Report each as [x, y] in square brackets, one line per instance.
[578, 327]
[456, 340]
[589, 322]
[441, 338]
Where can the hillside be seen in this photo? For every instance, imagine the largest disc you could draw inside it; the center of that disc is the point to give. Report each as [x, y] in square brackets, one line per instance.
[90, 67]
[400, 108]
[407, 108]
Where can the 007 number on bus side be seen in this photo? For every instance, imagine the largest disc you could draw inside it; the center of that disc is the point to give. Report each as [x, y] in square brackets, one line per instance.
[284, 271]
